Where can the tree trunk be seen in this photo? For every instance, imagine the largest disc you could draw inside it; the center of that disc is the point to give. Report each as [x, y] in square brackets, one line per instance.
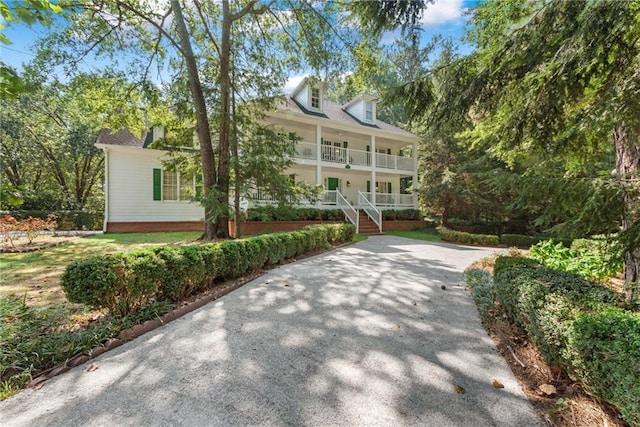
[627, 165]
[225, 121]
[209, 177]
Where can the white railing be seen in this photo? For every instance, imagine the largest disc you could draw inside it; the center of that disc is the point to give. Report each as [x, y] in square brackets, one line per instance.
[348, 156]
[404, 163]
[306, 150]
[328, 197]
[374, 213]
[395, 200]
[349, 211]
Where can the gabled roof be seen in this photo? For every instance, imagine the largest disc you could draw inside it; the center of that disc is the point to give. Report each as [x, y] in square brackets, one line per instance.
[364, 97]
[333, 111]
[123, 138]
[306, 81]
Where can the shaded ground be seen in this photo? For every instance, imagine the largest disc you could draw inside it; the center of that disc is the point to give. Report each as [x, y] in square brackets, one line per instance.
[570, 405]
[364, 335]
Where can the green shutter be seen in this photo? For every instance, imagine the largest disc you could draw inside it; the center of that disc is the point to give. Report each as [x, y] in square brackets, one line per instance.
[345, 144]
[368, 186]
[368, 148]
[198, 185]
[157, 184]
[389, 187]
[388, 150]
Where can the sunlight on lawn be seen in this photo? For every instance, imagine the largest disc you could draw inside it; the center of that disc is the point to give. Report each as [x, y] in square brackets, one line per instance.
[37, 274]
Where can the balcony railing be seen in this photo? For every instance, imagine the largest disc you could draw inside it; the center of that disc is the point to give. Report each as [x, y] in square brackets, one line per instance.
[348, 156]
[392, 200]
[331, 198]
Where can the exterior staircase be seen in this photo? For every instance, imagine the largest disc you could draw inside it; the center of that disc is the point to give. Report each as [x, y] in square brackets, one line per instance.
[367, 226]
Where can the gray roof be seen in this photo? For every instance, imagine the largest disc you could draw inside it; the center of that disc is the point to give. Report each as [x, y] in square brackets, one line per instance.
[334, 111]
[123, 138]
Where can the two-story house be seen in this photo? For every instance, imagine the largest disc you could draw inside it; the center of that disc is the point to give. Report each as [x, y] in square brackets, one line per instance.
[355, 157]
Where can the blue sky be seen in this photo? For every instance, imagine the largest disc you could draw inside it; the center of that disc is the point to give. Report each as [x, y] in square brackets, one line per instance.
[445, 17]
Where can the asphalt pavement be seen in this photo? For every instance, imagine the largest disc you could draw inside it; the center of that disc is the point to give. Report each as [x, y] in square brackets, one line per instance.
[364, 335]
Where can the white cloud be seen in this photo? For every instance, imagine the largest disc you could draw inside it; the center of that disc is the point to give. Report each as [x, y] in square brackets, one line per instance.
[442, 11]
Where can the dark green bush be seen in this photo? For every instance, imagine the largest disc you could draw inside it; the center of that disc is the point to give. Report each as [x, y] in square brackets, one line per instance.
[577, 324]
[518, 240]
[284, 213]
[453, 236]
[125, 282]
[401, 215]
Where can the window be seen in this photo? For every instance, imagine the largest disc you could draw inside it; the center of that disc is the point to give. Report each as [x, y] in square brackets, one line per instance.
[173, 186]
[169, 185]
[315, 98]
[368, 111]
[383, 187]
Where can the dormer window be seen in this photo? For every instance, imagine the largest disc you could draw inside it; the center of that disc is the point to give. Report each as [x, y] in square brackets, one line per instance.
[368, 111]
[315, 98]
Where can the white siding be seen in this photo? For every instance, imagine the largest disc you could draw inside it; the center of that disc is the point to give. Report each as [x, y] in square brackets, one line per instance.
[357, 110]
[303, 97]
[131, 189]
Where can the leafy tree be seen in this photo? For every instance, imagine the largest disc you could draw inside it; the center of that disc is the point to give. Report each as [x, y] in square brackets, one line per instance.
[554, 85]
[198, 41]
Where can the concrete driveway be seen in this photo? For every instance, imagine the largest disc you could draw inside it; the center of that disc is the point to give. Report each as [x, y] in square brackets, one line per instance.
[363, 335]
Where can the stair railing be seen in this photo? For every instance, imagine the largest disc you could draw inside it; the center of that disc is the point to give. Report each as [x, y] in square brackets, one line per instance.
[350, 212]
[372, 212]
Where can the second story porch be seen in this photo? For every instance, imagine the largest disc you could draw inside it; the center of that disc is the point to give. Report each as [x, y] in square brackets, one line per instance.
[332, 155]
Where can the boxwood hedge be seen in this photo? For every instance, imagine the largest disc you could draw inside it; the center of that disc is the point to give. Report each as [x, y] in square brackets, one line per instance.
[125, 282]
[578, 324]
[453, 236]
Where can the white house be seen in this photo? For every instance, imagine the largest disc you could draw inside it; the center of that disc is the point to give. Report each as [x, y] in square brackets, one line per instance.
[354, 156]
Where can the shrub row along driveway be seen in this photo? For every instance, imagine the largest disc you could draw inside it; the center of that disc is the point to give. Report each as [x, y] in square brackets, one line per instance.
[364, 335]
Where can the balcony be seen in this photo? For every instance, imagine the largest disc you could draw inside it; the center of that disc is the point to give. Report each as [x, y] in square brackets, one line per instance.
[348, 156]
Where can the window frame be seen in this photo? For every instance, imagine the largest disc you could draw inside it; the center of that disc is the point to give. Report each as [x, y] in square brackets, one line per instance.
[317, 99]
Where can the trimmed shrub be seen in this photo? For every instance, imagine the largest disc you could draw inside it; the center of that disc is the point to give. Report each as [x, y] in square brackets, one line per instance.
[125, 282]
[577, 324]
[401, 215]
[480, 282]
[467, 238]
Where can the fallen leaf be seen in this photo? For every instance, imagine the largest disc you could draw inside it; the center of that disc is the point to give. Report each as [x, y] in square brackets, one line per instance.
[395, 326]
[459, 389]
[547, 389]
[38, 386]
[497, 384]
[414, 303]
[443, 287]
[286, 285]
[92, 368]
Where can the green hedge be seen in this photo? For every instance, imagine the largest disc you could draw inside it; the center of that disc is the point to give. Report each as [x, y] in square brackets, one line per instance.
[124, 282]
[282, 213]
[67, 220]
[578, 324]
[401, 215]
[467, 238]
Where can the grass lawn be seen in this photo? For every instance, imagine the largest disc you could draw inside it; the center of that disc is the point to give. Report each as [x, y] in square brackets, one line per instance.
[37, 274]
[428, 234]
[360, 237]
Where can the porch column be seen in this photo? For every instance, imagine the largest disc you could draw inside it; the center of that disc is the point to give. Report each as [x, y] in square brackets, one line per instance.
[373, 170]
[318, 157]
[414, 190]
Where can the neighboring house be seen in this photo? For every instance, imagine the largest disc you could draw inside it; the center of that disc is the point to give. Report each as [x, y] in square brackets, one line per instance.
[345, 149]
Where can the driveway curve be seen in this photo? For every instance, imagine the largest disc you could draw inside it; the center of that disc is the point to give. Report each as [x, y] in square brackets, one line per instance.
[360, 336]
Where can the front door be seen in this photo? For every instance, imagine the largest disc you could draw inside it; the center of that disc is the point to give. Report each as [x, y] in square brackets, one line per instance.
[332, 184]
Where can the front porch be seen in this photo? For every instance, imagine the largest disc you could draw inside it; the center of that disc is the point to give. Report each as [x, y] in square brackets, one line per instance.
[328, 199]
